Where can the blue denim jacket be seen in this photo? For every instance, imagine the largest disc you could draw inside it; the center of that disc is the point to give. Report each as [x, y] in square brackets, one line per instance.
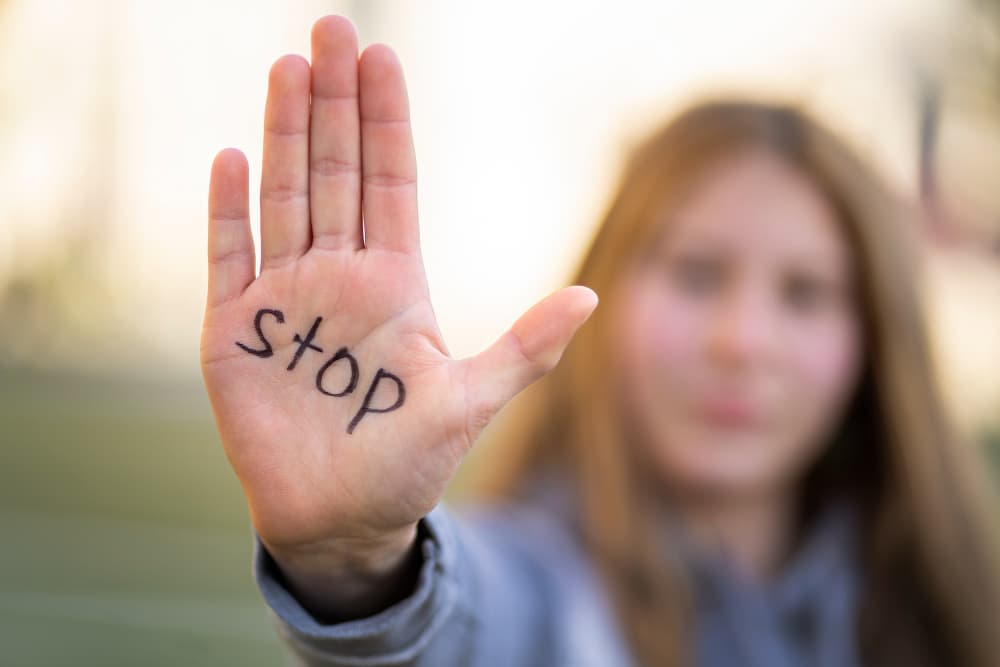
[510, 585]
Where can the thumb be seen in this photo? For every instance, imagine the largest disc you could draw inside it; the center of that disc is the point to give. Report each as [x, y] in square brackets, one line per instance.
[526, 352]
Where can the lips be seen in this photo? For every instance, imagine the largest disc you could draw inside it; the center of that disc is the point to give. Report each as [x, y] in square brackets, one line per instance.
[730, 413]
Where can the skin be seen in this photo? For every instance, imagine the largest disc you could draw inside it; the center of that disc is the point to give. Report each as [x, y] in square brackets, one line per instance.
[741, 347]
[338, 511]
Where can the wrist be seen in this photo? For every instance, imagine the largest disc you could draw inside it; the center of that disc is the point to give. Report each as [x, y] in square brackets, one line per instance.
[344, 579]
[369, 556]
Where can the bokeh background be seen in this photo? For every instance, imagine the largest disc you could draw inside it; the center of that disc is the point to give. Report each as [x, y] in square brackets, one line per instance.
[125, 538]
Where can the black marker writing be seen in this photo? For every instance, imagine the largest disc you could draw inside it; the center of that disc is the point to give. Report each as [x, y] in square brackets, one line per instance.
[342, 353]
[307, 343]
[267, 350]
[366, 405]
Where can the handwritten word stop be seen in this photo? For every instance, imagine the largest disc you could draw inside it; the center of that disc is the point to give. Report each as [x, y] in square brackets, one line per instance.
[341, 358]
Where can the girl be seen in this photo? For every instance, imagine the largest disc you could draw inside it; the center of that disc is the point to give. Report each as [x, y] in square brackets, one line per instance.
[742, 459]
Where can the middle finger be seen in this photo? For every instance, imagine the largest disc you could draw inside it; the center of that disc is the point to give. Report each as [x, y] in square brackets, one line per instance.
[335, 136]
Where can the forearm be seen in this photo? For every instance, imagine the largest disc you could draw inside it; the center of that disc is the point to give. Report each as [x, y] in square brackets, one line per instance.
[485, 595]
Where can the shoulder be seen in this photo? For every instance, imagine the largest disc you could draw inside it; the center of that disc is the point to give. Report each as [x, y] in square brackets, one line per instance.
[538, 529]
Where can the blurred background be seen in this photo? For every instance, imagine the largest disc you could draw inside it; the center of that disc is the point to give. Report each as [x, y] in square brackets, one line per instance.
[125, 535]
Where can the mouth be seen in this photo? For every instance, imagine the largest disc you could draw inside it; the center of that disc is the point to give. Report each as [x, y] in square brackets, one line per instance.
[731, 413]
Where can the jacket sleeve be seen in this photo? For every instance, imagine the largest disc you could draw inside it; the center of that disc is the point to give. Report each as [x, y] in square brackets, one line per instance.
[482, 598]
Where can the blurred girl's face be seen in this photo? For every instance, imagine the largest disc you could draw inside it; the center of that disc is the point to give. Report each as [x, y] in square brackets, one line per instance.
[740, 338]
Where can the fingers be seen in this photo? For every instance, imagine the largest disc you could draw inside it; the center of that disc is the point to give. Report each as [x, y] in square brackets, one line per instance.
[389, 168]
[230, 244]
[335, 143]
[531, 348]
[284, 187]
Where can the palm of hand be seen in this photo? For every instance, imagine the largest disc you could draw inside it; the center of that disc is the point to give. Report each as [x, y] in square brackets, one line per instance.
[337, 403]
[289, 440]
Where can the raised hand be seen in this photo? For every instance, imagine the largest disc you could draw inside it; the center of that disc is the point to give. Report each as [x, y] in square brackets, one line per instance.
[337, 403]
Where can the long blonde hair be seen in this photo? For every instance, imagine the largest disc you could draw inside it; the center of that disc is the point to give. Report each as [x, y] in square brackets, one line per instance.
[928, 551]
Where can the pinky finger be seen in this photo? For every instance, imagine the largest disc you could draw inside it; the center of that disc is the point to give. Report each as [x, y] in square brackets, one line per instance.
[231, 258]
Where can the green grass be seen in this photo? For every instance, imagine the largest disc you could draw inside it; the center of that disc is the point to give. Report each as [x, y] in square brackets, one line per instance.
[125, 534]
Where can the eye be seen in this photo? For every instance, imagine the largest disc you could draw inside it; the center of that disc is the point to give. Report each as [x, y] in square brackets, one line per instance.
[696, 275]
[805, 293]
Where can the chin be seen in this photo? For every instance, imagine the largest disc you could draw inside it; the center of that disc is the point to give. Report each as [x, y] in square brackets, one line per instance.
[718, 473]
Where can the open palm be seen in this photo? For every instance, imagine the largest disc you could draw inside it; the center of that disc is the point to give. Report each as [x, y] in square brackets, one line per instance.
[337, 402]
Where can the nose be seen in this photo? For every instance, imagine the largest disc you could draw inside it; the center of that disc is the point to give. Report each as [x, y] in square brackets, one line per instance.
[744, 330]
